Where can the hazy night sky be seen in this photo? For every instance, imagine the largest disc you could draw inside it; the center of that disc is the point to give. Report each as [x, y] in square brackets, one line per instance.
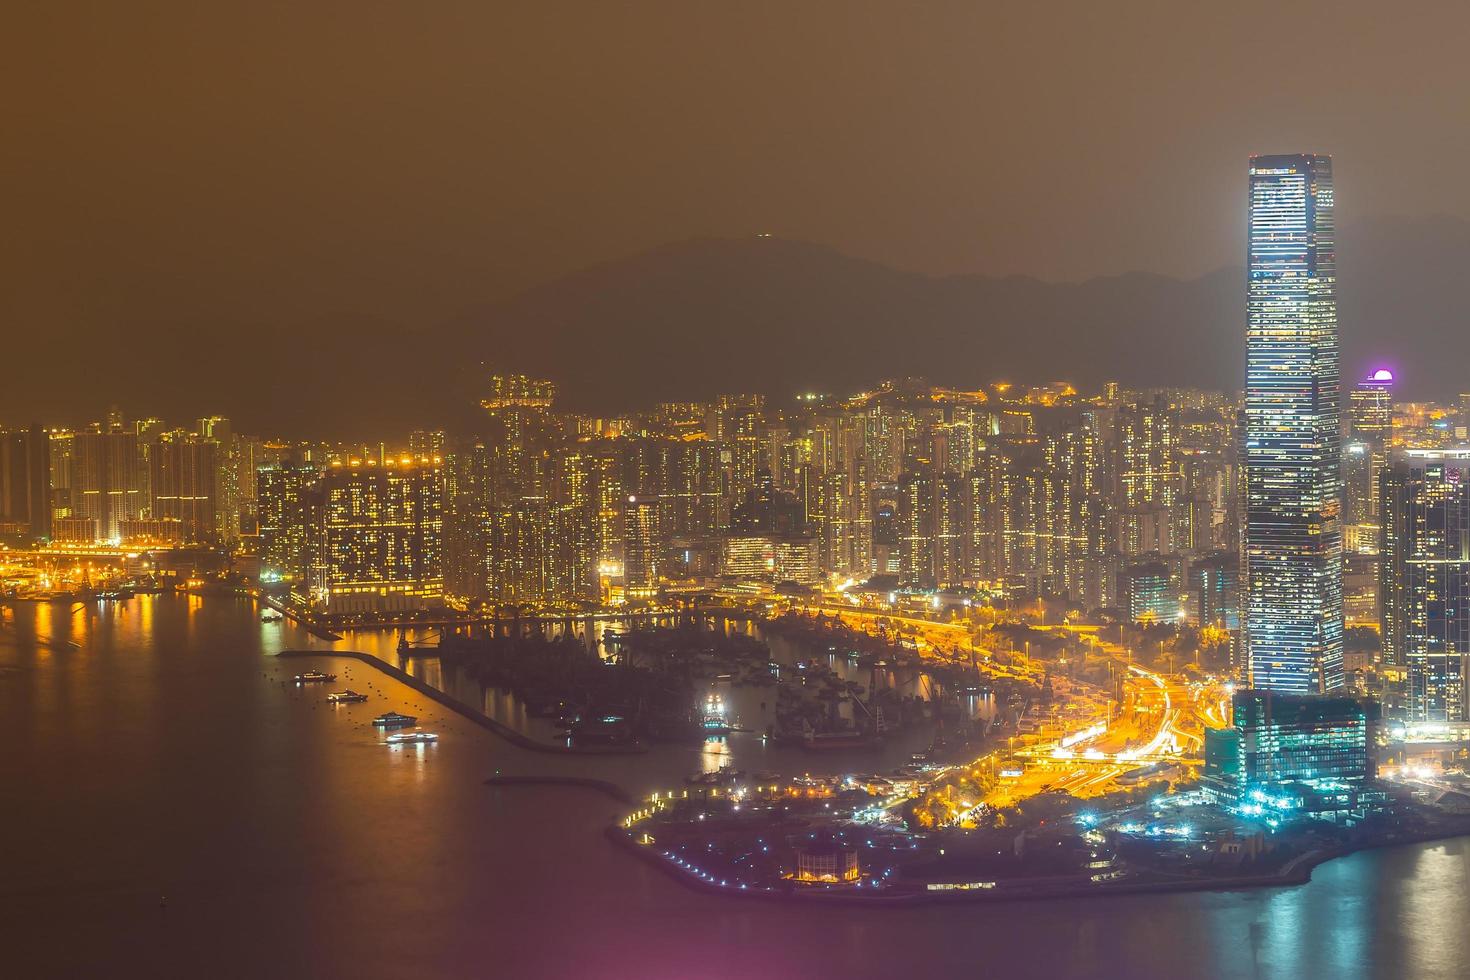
[228, 166]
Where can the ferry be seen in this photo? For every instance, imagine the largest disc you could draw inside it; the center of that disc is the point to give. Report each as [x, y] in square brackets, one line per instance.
[346, 697]
[315, 677]
[409, 738]
[394, 720]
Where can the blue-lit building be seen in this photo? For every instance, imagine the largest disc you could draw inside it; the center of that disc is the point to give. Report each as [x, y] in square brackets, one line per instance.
[1148, 593]
[1292, 562]
[1286, 756]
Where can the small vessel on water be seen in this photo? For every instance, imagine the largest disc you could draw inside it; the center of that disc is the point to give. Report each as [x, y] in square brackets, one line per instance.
[346, 697]
[713, 719]
[271, 617]
[315, 677]
[409, 738]
[394, 720]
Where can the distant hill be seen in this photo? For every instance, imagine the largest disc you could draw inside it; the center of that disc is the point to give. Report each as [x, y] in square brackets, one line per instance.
[695, 318]
[763, 314]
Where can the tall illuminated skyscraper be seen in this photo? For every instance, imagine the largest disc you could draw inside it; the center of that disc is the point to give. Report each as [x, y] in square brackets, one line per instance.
[1292, 450]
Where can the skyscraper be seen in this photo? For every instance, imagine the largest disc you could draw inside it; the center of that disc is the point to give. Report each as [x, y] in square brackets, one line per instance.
[1292, 450]
[25, 481]
[377, 534]
[1425, 579]
[184, 483]
[1370, 426]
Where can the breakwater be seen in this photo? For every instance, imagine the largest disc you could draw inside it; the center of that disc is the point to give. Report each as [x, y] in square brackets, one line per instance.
[504, 731]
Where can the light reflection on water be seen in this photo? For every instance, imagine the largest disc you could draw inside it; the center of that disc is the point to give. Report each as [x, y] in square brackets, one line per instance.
[165, 757]
[752, 707]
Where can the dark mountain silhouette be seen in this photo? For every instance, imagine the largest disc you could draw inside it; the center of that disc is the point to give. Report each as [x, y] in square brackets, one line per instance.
[692, 319]
[698, 317]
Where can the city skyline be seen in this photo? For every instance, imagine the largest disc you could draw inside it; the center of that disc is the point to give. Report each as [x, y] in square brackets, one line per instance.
[834, 489]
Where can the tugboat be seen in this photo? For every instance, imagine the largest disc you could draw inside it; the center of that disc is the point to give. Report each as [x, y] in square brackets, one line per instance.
[315, 677]
[346, 697]
[394, 720]
[409, 738]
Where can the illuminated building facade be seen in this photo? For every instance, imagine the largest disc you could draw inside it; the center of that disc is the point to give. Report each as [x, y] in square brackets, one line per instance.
[771, 558]
[183, 483]
[106, 479]
[378, 536]
[282, 492]
[1424, 582]
[1365, 454]
[1149, 593]
[1214, 583]
[1292, 450]
[643, 544]
[1150, 479]
[1286, 756]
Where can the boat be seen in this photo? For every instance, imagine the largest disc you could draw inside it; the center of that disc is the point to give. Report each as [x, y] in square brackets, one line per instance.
[712, 719]
[346, 697]
[410, 738]
[315, 677]
[394, 720]
[271, 617]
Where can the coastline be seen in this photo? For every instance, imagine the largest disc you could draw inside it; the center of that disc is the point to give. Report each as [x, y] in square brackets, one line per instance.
[504, 731]
[1297, 871]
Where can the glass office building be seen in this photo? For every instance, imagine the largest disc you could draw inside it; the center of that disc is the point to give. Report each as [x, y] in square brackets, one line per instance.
[1286, 756]
[1292, 561]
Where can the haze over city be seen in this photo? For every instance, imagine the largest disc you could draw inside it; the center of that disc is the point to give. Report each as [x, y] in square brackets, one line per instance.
[766, 490]
[325, 185]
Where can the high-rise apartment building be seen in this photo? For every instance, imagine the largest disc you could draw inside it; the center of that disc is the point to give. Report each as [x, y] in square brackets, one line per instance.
[1365, 454]
[107, 479]
[25, 481]
[183, 482]
[1424, 579]
[642, 546]
[1292, 448]
[377, 533]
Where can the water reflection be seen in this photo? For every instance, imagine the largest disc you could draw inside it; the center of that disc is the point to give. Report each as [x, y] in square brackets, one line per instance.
[751, 707]
[166, 757]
